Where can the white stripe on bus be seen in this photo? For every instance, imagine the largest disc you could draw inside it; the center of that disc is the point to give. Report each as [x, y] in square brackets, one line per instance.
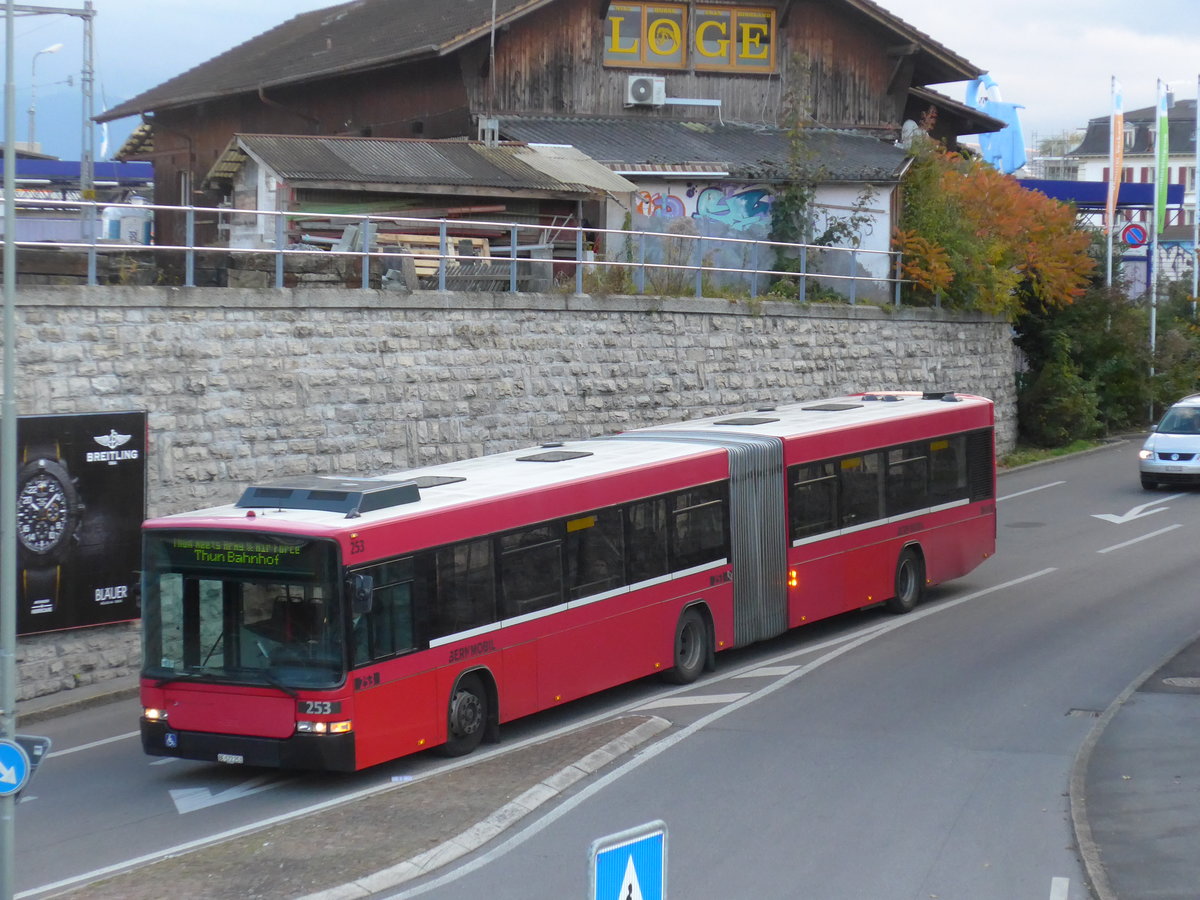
[875, 523]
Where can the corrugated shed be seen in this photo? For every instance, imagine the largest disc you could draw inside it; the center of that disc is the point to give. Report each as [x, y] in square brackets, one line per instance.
[571, 166]
[304, 160]
[651, 146]
[369, 34]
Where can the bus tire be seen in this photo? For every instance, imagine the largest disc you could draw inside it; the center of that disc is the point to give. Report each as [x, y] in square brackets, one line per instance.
[466, 717]
[910, 582]
[691, 648]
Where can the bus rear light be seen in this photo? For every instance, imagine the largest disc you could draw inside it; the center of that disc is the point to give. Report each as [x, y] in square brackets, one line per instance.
[325, 727]
[150, 714]
[793, 578]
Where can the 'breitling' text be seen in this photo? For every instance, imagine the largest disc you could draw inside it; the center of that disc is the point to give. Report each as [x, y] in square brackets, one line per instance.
[112, 457]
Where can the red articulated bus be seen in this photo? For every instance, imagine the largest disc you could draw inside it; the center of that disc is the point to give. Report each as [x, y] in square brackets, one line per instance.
[336, 623]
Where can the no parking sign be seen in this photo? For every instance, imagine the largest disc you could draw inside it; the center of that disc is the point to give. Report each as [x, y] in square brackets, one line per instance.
[1134, 234]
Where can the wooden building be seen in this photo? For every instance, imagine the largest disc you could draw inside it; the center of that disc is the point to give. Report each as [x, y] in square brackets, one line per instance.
[412, 68]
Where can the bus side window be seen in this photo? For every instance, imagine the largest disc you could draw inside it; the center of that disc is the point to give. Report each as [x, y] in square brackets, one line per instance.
[907, 479]
[595, 553]
[466, 588]
[947, 469]
[531, 576]
[646, 539]
[860, 489]
[812, 499]
[388, 628]
[699, 531]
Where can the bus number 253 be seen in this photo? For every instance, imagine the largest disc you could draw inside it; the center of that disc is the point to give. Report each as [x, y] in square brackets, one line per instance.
[320, 707]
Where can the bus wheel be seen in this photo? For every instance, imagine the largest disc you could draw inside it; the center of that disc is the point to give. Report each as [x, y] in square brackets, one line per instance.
[691, 648]
[910, 582]
[467, 718]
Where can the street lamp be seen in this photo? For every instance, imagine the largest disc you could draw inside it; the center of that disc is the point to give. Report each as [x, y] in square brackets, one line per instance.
[53, 48]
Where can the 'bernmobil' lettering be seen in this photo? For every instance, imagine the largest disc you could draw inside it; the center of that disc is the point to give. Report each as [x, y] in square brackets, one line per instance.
[477, 649]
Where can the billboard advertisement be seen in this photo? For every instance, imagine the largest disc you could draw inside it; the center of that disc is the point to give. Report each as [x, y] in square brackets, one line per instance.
[81, 499]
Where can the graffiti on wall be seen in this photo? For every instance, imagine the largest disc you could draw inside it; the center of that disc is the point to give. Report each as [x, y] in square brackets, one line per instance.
[739, 207]
[1175, 259]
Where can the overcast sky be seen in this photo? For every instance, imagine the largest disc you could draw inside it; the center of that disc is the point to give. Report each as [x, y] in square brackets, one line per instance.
[1055, 57]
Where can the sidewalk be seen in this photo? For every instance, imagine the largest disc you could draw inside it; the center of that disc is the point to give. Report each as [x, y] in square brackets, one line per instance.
[1135, 791]
[38, 709]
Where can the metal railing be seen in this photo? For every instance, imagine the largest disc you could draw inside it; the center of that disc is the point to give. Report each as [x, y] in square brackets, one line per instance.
[446, 254]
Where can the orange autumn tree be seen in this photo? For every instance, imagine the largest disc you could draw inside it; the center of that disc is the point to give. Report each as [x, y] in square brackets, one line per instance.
[973, 237]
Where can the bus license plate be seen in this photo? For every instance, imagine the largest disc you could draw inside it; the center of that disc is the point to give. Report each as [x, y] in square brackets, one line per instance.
[232, 758]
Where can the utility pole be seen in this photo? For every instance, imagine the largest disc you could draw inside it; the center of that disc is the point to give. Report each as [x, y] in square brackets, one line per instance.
[8, 404]
[8, 462]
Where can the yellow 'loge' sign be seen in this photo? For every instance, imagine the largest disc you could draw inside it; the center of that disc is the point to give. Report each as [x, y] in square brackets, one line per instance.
[730, 38]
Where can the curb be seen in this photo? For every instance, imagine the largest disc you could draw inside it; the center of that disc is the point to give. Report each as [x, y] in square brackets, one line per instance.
[1089, 851]
[1108, 444]
[503, 818]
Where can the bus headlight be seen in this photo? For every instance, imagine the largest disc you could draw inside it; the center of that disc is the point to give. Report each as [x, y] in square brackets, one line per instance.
[324, 727]
[150, 714]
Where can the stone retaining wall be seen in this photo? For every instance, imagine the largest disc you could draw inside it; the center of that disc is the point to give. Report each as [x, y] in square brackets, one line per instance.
[242, 385]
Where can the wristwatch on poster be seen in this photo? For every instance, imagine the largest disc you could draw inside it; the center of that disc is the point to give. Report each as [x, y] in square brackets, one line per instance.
[48, 507]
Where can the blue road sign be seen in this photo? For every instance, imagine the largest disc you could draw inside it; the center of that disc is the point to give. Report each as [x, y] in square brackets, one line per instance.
[14, 768]
[631, 865]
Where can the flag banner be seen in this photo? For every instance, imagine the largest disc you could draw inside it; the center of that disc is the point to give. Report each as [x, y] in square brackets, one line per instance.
[1162, 157]
[1116, 155]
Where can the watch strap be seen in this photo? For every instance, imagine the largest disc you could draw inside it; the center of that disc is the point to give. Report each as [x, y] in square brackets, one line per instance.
[41, 449]
[40, 589]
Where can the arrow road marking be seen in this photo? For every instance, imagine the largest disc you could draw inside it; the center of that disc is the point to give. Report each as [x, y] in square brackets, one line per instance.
[191, 799]
[1137, 512]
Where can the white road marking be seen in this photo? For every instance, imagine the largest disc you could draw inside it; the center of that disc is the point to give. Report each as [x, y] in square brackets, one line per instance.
[1030, 491]
[1138, 540]
[768, 672]
[1060, 888]
[1138, 512]
[692, 700]
[191, 799]
[99, 743]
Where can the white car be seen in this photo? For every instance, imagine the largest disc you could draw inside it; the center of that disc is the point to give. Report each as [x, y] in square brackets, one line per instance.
[1171, 455]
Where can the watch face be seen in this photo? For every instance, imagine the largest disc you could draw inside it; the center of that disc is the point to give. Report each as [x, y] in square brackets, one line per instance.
[43, 512]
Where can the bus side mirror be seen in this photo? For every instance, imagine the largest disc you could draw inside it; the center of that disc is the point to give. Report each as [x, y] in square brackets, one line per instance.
[362, 594]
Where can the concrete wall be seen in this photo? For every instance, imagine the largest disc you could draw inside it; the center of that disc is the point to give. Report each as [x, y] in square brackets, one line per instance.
[243, 385]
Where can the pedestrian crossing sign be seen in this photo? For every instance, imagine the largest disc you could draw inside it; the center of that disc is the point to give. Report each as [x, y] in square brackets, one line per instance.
[630, 865]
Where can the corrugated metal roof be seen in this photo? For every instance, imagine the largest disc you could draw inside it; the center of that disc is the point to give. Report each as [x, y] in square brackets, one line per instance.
[571, 166]
[653, 145]
[368, 34]
[411, 163]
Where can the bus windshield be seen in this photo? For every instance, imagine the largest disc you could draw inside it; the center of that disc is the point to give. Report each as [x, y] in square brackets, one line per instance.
[246, 609]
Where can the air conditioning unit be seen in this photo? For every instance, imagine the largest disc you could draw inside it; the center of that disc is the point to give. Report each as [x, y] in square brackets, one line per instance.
[645, 90]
